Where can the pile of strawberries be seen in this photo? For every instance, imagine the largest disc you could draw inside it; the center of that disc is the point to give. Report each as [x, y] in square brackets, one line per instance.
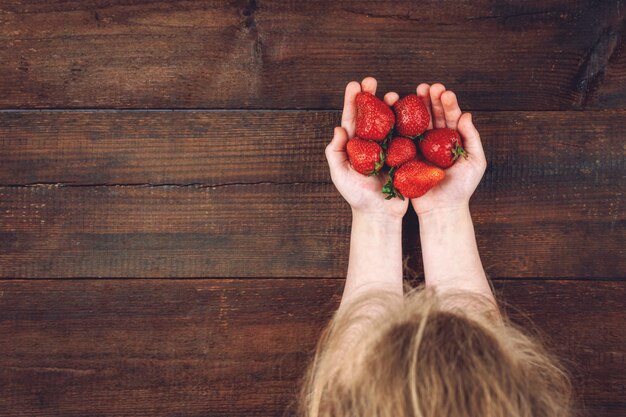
[386, 137]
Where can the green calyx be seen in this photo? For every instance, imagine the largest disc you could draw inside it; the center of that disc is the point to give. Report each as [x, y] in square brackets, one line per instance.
[389, 189]
[385, 143]
[458, 151]
[418, 138]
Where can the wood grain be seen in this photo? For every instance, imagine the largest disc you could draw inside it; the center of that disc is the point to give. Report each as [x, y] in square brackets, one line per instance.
[239, 347]
[609, 62]
[289, 230]
[281, 54]
[561, 149]
[164, 147]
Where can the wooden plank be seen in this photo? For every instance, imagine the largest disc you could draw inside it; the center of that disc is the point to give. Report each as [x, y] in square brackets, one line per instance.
[281, 54]
[164, 147]
[249, 147]
[239, 347]
[266, 230]
[290, 230]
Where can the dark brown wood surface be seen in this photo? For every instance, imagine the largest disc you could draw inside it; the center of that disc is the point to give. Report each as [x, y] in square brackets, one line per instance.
[287, 230]
[547, 55]
[524, 149]
[170, 240]
[239, 347]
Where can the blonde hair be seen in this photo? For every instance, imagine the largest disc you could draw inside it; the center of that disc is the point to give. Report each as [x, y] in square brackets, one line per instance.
[430, 355]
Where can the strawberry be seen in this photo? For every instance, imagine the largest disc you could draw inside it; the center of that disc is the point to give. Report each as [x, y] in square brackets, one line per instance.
[442, 147]
[399, 151]
[412, 116]
[366, 157]
[374, 119]
[413, 179]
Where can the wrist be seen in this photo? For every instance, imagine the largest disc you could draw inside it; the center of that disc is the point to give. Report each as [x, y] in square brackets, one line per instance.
[377, 222]
[445, 219]
[450, 210]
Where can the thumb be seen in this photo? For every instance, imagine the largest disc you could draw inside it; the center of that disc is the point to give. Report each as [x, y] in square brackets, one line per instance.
[471, 138]
[336, 150]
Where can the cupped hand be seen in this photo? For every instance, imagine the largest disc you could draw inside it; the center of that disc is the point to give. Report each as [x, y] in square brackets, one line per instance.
[463, 177]
[363, 193]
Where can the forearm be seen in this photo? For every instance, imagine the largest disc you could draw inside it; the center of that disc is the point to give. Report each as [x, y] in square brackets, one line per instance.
[375, 256]
[449, 251]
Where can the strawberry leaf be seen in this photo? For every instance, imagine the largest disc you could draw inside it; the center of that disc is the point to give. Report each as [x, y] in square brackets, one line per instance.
[391, 191]
[388, 187]
[458, 151]
[385, 143]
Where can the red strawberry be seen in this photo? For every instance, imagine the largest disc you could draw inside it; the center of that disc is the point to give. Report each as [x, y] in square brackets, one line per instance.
[412, 116]
[399, 151]
[366, 157]
[413, 179]
[374, 119]
[442, 146]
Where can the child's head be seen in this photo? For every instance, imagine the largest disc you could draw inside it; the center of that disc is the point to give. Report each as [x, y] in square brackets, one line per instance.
[433, 356]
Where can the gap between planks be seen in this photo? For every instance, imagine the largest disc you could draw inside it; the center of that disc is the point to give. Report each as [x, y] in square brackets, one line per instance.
[500, 279]
[260, 110]
[164, 185]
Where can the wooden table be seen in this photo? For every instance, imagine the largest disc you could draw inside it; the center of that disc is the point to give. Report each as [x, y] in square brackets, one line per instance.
[170, 240]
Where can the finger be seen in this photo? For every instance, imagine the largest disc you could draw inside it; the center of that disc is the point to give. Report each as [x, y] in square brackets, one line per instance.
[336, 154]
[369, 84]
[423, 92]
[348, 117]
[439, 117]
[391, 98]
[471, 138]
[451, 109]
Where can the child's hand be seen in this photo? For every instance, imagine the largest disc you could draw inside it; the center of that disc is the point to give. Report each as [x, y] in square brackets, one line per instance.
[463, 177]
[363, 193]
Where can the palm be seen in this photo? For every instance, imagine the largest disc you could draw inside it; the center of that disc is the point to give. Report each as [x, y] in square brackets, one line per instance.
[460, 181]
[365, 193]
